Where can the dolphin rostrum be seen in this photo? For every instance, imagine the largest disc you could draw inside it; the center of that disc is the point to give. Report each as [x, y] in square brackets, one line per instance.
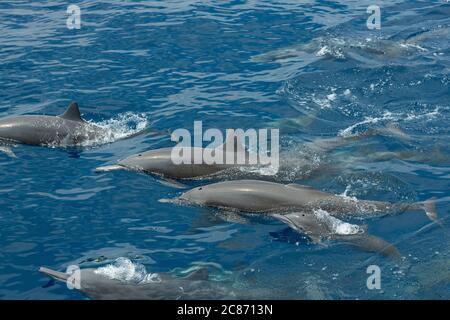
[161, 286]
[265, 196]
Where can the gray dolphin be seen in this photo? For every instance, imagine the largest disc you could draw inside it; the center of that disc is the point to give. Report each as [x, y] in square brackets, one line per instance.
[159, 161]
[264, 196]
[67, 129]
[196, 285]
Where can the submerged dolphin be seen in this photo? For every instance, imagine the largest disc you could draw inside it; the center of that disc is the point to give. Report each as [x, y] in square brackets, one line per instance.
[67, 129]
[264, 196]
[320, 226]
[359, 49]
[162, 286]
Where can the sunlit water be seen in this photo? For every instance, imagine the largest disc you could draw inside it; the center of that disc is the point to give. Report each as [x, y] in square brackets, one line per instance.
[313, 69]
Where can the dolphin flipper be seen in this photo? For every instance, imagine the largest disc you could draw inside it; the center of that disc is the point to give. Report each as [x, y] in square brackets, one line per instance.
[171, 183]
[8, 151]
[305, 223]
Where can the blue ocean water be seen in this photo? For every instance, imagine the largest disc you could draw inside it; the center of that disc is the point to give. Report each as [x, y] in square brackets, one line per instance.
[311, 68]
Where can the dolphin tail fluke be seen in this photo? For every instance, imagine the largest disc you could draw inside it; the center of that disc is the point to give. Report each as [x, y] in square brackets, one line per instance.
[62, 276]
[109, 168]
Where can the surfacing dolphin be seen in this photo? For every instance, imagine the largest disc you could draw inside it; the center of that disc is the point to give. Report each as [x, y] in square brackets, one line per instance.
[65, 130]
[266, 197]
[160, 161]
[162, 286]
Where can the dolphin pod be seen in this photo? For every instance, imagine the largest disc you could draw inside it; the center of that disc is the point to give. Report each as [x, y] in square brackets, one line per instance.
[196, 285]
[300, 207]
[66, 129]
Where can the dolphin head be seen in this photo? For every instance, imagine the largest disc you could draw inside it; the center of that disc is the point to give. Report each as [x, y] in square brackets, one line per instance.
[135, 162]
[199, 195]
[151, 161]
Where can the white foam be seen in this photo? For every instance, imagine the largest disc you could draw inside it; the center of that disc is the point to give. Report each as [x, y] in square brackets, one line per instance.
[124, 269]
[346, 196]
[332, 96]
[323, 51]
[334, 51]
[337, 226]
[122, 126]
[347, 132]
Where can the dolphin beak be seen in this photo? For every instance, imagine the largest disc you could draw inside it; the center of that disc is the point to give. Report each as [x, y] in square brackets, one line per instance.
[62, 276]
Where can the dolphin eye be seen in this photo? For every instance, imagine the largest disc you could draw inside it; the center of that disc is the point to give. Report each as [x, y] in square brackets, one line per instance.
[303, 215]
[139, 155]
[200, 188]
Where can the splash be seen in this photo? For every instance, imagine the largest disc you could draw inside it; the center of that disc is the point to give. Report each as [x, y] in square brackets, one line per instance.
[125, 270]
[337, 226]
[393, 118]
[123, 126]
[348, 132]
[330, 51]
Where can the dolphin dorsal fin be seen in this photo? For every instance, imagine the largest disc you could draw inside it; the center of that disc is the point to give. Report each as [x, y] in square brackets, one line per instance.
[199, 274]
[235, 141]
[72, 113]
